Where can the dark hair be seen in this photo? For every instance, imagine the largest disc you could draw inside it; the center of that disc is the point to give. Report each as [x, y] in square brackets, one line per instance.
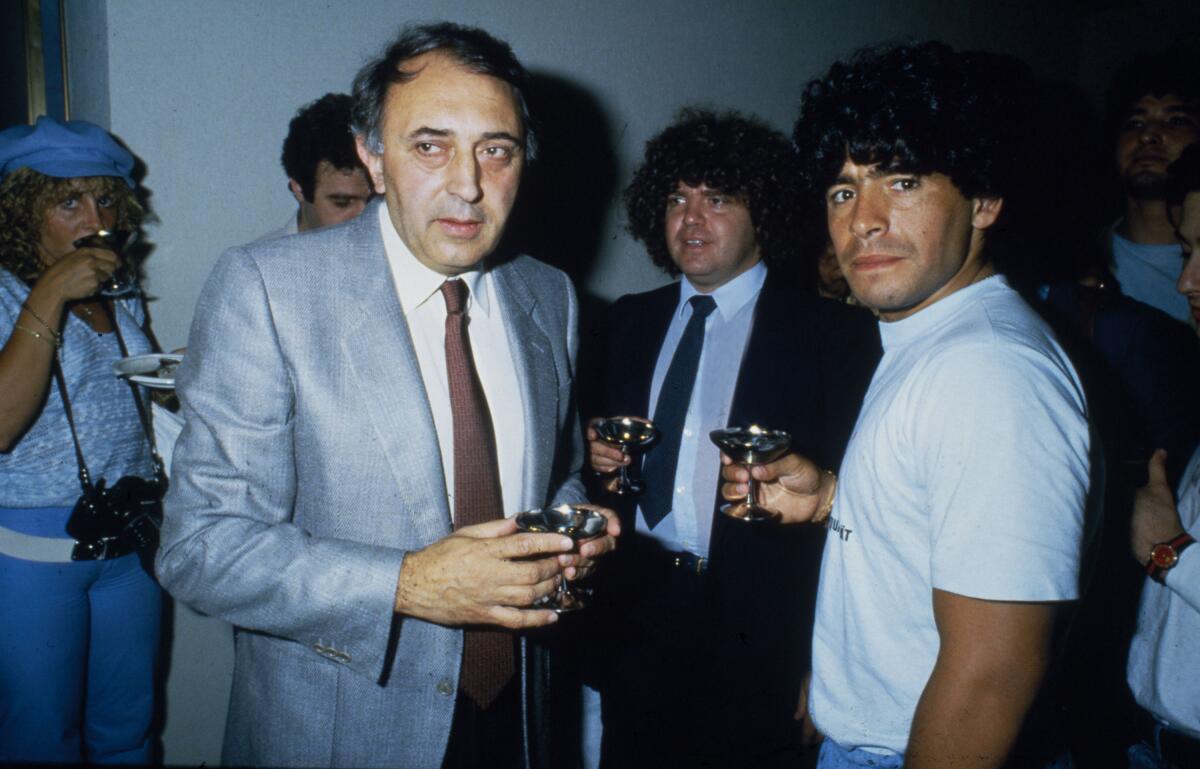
[1155, 74]
[1183, 176]
[916, 107]
[738, 155]
[319, 131]
[475, 49]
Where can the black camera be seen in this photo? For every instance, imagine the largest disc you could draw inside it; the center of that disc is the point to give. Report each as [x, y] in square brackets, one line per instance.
[116, 521]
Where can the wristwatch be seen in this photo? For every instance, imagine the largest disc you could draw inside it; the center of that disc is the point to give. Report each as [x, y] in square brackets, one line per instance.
[1165, 555]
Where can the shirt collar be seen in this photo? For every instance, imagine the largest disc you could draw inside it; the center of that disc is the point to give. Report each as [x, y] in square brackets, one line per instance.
[416, 284]
[732, 296]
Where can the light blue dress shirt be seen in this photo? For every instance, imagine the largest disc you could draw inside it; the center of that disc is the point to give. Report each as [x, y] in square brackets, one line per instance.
[689, 524]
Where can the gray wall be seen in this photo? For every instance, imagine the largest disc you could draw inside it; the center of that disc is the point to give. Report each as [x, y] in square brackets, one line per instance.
[203, 91]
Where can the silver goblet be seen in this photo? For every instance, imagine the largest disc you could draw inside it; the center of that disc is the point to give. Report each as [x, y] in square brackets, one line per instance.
[751, 446]
[578, 523]
[626, 433]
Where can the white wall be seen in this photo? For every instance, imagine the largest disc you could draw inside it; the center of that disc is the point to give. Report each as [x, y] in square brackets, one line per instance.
[203, 91]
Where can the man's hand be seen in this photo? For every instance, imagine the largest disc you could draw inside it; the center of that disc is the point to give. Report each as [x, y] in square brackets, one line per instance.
[792, 486]
[480, 575]
[604, 458]
[808, 730]
[579, 565]
[1155, 518]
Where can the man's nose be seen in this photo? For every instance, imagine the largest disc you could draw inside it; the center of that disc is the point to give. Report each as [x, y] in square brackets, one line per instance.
[464, 177]
[693, 212]
[1189, 279]
[868, 218]
[1151, 133]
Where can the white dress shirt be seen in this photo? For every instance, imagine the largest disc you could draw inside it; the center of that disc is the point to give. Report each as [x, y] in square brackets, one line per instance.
[689, 524]
[419, 291]
[1162, 656]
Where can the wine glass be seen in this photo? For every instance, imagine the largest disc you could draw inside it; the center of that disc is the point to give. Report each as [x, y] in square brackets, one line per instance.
[749, 446]
[626, 433]
[123, 281]
[578, 523]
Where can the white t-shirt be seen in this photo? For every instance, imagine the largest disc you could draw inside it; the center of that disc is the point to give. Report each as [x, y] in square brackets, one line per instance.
[1148, 272]
[967, 472]
[1162, 658]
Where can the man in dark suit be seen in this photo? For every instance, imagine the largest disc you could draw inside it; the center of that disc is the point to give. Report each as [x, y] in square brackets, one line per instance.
[705, 619]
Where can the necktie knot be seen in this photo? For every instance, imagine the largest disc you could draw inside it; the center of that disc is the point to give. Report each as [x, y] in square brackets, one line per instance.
[455, 293]
[702, 305]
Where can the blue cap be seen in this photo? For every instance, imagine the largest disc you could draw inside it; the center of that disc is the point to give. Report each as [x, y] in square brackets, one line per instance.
[64, 150]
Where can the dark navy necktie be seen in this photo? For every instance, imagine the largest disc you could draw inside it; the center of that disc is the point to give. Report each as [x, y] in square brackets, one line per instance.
[670, 413]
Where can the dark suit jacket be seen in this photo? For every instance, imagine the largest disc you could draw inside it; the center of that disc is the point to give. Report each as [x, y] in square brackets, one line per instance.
[806, 367]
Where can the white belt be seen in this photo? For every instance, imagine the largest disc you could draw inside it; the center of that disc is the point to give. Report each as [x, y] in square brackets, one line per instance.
[28, 547]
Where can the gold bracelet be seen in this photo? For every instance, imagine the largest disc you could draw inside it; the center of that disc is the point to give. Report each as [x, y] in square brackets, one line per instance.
[54, 333]
[825, 509]
[52, 342]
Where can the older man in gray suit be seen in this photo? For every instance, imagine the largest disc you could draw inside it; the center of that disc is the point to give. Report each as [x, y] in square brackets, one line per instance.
[362, 404]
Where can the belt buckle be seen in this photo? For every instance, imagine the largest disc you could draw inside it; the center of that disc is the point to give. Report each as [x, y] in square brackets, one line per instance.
[693, 563]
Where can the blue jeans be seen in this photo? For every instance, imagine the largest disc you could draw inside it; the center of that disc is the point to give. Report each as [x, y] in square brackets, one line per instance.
[77, 654]
[835, 756]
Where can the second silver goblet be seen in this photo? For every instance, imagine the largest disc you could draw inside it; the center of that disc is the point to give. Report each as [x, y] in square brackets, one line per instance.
[751, 446]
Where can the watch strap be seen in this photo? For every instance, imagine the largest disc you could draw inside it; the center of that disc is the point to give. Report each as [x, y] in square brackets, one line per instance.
[1158, 572]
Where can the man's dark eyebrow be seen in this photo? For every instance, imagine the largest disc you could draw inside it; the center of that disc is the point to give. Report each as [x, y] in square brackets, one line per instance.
[427, 131]
[505, 135]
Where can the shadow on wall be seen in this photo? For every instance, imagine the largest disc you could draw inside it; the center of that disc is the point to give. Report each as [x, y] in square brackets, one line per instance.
[565, 201]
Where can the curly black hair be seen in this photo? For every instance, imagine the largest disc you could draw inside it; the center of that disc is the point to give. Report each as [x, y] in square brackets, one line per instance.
[727, 151]
[319, 131]
[916, 107]
[1171, 72]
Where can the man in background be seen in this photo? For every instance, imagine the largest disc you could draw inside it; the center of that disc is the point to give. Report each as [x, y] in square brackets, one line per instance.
[324, 172]
[1162, 540]
[1153, 114]
[708, 619]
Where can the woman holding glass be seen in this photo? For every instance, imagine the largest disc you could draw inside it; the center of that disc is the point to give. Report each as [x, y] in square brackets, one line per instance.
[79, 618]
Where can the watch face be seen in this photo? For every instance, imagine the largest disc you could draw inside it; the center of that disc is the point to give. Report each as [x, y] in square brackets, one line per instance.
[1163, 556]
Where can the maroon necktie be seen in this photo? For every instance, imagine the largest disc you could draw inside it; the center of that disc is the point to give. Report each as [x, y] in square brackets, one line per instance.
[487, 654]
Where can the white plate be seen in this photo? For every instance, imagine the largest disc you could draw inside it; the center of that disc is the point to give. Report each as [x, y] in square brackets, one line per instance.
[143, 369]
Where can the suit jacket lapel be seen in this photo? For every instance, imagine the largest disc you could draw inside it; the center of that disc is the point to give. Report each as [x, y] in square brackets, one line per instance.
[537, 378]
[377, 344]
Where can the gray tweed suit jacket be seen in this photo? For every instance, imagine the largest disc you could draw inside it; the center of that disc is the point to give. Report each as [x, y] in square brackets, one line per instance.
[306, 470]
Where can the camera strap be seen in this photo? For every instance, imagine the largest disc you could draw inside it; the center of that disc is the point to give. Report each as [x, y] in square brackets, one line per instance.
[85, 479]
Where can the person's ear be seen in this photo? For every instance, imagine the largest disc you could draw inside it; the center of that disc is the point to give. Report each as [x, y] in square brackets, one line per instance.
[985, 212]
[373, 163]
[297, 192]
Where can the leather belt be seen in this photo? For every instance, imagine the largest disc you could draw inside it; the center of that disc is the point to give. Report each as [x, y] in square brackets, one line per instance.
[697, 564]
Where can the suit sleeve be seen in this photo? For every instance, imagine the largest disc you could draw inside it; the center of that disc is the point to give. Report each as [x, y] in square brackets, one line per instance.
[568, 487]
[229, 546]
